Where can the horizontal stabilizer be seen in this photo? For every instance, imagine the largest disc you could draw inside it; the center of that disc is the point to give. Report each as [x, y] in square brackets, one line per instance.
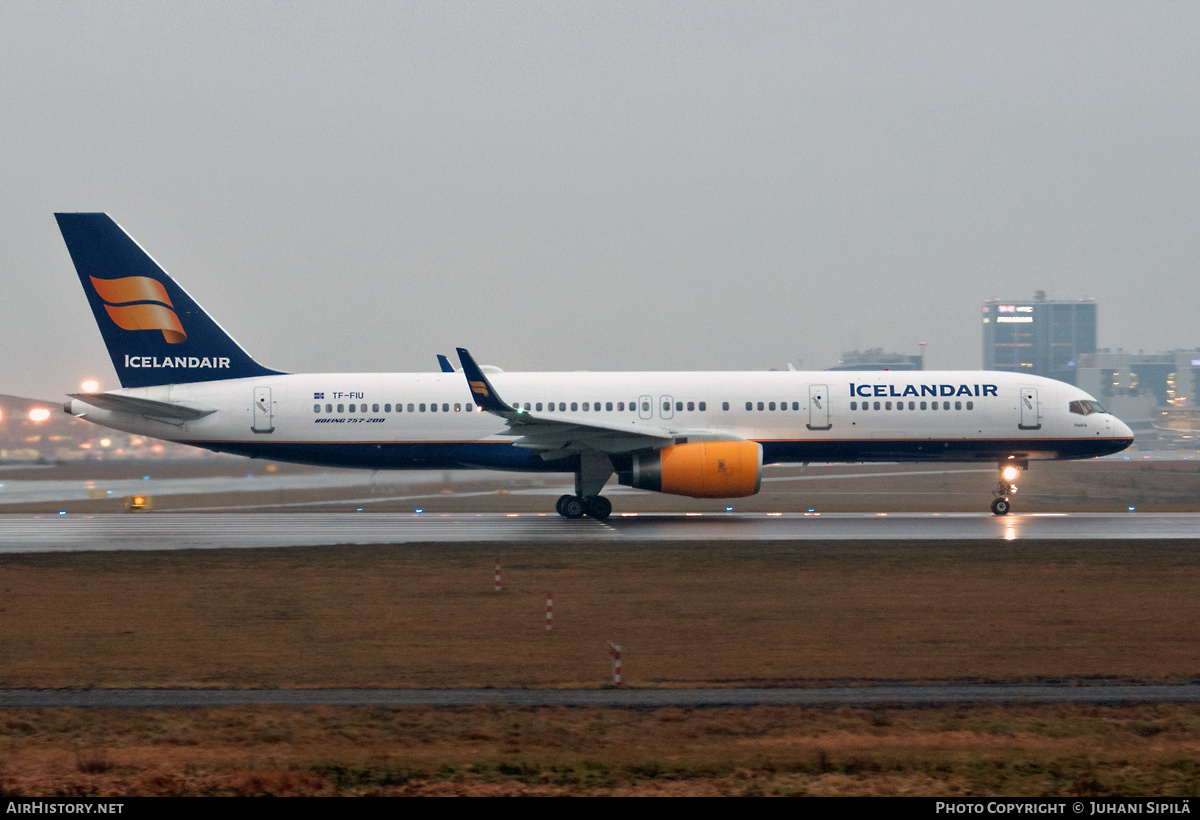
[183, 411]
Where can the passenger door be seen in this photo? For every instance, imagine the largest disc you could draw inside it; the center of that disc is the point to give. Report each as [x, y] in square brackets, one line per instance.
[263, 410]
[1031, 411]
[818, 407]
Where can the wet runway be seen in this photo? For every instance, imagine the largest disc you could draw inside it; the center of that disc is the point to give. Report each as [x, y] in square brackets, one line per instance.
[171, 531]
[888, 694]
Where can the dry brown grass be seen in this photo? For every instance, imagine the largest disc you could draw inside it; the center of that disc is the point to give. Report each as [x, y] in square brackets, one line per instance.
[985, 750]
[686, 614]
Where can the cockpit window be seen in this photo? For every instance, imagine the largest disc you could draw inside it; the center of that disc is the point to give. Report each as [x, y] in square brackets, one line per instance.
[1086, 408]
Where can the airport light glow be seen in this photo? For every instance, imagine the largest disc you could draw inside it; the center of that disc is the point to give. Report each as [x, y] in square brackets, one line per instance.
[39, 414]
[89, 386]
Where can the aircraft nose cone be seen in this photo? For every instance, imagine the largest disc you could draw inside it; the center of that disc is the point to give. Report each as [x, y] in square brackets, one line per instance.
[1121, 429]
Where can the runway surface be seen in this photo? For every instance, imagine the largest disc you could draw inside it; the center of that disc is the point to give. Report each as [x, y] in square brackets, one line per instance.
[172, 531]
[892, 694]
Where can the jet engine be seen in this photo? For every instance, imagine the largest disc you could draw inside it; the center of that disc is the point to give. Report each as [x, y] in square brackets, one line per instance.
[702, 469]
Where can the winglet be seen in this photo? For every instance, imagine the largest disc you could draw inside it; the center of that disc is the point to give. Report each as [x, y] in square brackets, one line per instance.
[485, 395]
[444, 363]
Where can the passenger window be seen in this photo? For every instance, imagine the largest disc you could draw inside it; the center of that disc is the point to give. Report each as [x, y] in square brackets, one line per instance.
[469, 408]
[760, 405]
[562, 406]
[329, 408]
[446, 407]
[876, 405]
[887, 406]
[608, 405]
[387, 408]
[666, 406]
[586, 405]
[316, 408]
[678, 406]
[945, 405]
[724, 405]
[912, 405]
[795, 405]
[457, 407]
[749, 406]
[341, 408]
[432, 408]
[410, 408]
[691, 406]
[970, 405]
[703, 406]
[958, 405]
[422, 408]
[374, 408]
[853, 405]
[771, 406]
[924, 405]
[574, 406]
[352, 408]
[645, 407]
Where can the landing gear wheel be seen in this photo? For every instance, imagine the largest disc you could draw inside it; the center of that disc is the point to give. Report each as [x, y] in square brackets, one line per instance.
[558, 505]
[598, 507]
[572, 507]
[1000, 506]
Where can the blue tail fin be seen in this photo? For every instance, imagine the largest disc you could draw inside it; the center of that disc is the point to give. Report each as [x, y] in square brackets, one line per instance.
[156, 334]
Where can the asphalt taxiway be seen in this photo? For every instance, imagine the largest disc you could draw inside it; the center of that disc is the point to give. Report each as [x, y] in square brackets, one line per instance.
[886, 694]
[174, 531]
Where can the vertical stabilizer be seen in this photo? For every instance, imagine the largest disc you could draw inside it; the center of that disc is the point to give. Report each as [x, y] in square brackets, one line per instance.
[155, 333]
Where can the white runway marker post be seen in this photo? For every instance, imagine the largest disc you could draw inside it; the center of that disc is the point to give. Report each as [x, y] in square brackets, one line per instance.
[614, 651]
[497, 574]
[549, 610]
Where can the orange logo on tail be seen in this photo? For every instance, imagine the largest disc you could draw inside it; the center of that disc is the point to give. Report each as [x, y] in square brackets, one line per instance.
[478, 388]
[118, 294]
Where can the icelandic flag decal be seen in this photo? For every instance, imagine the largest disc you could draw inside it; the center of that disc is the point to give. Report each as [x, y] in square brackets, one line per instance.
[318, 395]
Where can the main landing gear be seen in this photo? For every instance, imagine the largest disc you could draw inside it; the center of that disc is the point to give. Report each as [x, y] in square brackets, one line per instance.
[595, 468]
[1010, 468]
[572, 506]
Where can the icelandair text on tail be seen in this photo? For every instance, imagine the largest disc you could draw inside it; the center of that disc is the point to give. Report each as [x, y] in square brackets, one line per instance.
[176, 361]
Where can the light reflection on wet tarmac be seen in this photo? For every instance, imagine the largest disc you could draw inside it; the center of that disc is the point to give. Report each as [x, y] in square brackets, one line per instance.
[169, 531]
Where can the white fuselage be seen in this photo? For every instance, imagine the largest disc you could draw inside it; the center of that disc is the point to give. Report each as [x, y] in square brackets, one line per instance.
[421, 420]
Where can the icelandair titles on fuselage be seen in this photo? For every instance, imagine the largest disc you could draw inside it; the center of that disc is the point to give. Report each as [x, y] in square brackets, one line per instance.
[190, 362]
[867, 391]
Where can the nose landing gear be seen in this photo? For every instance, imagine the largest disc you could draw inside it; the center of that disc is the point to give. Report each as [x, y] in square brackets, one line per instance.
[1010, 468]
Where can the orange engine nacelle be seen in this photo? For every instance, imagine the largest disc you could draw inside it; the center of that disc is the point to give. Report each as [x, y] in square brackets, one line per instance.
[703, 469]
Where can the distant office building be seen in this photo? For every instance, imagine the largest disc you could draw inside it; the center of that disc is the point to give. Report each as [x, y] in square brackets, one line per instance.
[1156, 394]
[1038, 337]
[877, 359]
[1171, 380]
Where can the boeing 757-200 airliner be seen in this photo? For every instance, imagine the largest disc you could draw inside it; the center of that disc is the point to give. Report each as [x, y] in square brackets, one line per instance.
[705, 435]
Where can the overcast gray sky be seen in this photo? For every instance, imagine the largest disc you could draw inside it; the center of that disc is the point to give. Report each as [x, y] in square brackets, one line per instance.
[602, 186]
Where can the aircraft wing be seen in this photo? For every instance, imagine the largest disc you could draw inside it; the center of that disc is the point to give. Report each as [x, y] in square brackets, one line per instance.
[174, 410]
[558, 436]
